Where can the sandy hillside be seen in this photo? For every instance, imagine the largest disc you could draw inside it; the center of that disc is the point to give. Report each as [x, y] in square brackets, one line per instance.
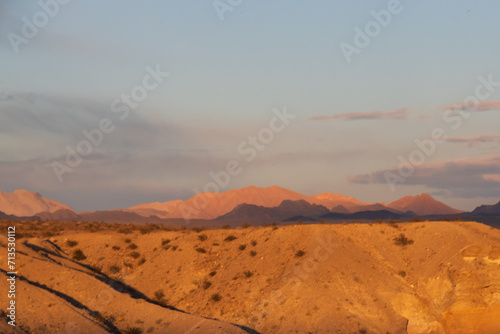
[439, 277]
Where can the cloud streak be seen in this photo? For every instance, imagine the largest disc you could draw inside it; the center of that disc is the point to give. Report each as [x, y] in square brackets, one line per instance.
[471, 141]
[472, 106]
[398, 114]
[463, 178]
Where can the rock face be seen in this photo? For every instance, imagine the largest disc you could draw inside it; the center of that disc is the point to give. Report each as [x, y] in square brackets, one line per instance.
[26, 203]
[423, 204]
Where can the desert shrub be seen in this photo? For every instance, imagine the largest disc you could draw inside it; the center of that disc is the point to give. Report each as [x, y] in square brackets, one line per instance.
[230, 238]
[226, 227]
[300, 253]
[402, 273]
[142, 261]
[393, 224]
[125, 231]
[116, 247]
[127, 241]
[216, 297]
[198, 229]
[132, 246]
[133, 330]
[206, 285]
[78, 255]
[159, 295]
[253, 253]
[71, 243]
[299, 222]
[248, 273]
[174, 248]
[201, 250]
[166, 247]
[254, 243]
[242, 247]
[165, 241]
[114, 269]
[202, 237]
[402, 240]
[135, 254]
[416, 219]
[245, 225]
[212, 273]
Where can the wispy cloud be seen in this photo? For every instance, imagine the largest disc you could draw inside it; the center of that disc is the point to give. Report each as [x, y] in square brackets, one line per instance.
[471, 141]
[465, 178]
[399, 114]
[472, 106]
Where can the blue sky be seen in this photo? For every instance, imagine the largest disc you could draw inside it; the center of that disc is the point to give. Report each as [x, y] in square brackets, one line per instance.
[226, 77]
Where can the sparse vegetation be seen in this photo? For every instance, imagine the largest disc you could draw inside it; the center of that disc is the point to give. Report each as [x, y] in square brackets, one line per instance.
[216, 297]
[300, 253]
[165, 241]
[230, 238]
[402, 240]
[159, 295]
[114, 269]
[132, 246]
[202, 237]
[402, 273]
[212, 273]
[201, 250]
[245, 225]
[248, 274]
[78, 255]
[254, 243]
[71, 243]
[226, 227]
[135, 254]
[253, 253]
[116, 247]
[133, 330]
[242, 247]
[206, 285]
[128, 241]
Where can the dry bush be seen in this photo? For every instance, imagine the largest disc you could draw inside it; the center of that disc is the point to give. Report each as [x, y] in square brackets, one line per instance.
[402, 240]
[78, 255]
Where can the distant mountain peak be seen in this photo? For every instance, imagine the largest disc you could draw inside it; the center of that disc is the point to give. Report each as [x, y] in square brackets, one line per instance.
[423, 204]
[26, 203]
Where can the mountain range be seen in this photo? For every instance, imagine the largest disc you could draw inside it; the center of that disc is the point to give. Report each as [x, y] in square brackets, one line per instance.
[251, 204]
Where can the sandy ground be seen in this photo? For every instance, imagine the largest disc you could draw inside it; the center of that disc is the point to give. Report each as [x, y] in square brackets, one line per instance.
[439, 277]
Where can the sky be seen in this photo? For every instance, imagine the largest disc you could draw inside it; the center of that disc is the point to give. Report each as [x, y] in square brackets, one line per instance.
[111, 104]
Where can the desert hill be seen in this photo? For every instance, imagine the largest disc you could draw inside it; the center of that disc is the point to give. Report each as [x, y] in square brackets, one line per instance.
[423, 204]
[487, 209]
[429, 277]
[25, 203]
[287, 209]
